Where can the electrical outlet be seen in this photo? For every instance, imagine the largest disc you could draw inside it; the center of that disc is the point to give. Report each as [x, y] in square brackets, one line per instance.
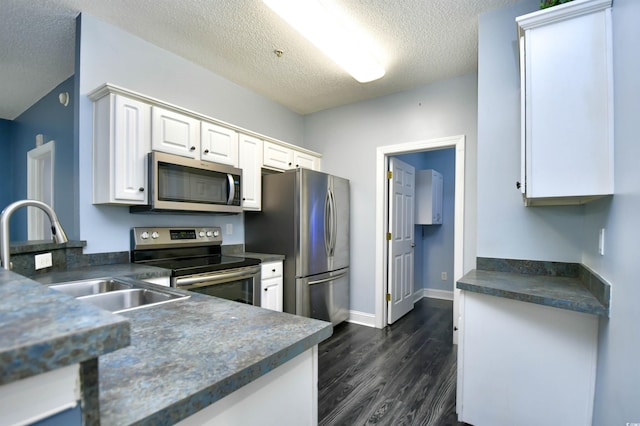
[443, 276]
[43, 260]
[229, 228]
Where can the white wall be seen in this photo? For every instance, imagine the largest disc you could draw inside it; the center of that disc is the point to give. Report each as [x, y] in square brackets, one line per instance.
[108, 54]
[348, 137]
[507, 229]
[617, 385]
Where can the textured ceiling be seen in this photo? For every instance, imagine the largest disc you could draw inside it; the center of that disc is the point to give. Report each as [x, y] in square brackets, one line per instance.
[419, 41]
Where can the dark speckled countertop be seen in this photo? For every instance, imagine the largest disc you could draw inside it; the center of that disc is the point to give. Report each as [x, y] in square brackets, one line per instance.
[183, 355]
[552, 284]
[189, 354]
[42, 329]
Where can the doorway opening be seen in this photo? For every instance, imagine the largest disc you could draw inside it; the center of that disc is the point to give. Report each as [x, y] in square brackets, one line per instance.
[40, 179]
[382, 218]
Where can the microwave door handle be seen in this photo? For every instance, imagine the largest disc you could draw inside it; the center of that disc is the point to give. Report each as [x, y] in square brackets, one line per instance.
[232, 188]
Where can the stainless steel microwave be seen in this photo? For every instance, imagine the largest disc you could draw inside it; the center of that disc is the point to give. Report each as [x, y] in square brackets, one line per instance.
[185, 185]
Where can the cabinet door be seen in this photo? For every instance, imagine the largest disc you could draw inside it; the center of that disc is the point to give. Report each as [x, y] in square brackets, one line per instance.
[277, 156]
[272, 294]
[272, 286]
[250, 161]
[175, 133]
[568, 114]
[120, 144]
[218, 144]
[437, 198]
[300, 159]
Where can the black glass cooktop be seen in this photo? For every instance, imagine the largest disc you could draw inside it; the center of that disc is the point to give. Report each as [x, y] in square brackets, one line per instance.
[200, 265]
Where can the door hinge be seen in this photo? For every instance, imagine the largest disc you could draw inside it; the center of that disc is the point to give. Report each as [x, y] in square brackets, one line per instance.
[388, 236]
[388, 297]
[389, 174]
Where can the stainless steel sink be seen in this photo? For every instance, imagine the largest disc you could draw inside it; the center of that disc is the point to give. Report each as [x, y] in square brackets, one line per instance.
[89, 287]
[118, 295]
[125, 300]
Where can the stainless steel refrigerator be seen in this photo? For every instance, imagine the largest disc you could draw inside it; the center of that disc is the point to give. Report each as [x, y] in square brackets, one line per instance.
[305, 216]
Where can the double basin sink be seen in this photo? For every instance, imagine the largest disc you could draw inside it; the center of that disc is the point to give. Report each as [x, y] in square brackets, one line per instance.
[118, 295]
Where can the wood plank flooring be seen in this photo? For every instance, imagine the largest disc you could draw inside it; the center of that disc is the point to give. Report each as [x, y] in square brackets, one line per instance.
[404, 374]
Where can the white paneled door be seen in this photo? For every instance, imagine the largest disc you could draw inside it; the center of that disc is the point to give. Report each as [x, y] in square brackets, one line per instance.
[401, 242]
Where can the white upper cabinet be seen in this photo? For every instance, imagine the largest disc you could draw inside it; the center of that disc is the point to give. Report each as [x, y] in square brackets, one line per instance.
[567, 103]
[175, 133]
[218, 144]
[277, 156]
[428, 197]
[250, 161]
[120, 144]
[304, 160]
[282, 157]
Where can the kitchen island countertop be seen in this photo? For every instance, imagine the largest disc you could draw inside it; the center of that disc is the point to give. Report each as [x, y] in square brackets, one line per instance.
[182, 357]
[189, 354]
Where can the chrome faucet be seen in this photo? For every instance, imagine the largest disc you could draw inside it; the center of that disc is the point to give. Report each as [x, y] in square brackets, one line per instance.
[56, 229]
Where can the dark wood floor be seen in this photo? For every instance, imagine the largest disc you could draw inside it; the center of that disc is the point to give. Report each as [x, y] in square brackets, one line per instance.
[404, 374]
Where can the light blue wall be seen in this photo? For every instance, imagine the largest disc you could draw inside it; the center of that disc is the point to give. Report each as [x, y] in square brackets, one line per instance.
[348, 137]
[617, 389]
[55, 121]
[6, 165]
[108, 54]
[434, 251]
[505, 229]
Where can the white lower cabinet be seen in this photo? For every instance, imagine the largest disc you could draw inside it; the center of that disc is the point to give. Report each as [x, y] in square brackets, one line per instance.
[250, 161]
[120, 145]
[286, 396]
[272, 286]
[525, 364]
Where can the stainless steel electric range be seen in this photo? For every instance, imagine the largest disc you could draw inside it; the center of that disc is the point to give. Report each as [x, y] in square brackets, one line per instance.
[194, 257]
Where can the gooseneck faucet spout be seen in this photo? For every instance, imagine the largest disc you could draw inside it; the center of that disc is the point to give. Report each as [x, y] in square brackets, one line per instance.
[57, 232]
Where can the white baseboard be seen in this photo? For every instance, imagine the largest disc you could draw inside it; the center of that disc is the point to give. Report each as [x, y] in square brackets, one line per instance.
[433, 294]
[362, 318]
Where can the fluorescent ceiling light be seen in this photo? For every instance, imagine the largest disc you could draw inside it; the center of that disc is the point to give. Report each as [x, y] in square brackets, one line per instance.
[331, 36]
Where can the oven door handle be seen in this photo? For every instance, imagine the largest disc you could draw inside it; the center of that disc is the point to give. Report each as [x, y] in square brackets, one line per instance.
[216, 278]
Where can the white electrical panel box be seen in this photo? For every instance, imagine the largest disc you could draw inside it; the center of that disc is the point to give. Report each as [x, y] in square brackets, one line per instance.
[428, 197]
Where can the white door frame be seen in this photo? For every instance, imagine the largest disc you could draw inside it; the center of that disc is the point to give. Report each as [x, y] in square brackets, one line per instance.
[383, 152]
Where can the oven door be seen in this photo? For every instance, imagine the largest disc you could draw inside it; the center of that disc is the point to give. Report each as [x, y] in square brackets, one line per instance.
[240, 284]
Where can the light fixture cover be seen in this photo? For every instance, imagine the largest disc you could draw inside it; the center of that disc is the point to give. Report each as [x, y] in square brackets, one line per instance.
[332, 37]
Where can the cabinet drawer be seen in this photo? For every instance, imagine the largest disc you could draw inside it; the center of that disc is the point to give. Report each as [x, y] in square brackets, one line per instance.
[271, 270]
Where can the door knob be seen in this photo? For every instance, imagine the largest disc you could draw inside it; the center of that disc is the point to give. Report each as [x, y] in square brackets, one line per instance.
[413, 245]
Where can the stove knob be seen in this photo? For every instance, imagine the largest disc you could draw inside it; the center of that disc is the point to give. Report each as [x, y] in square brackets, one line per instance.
[216, 233]
[144, 235]
[209, 233]
[201, 234]
[154, 235]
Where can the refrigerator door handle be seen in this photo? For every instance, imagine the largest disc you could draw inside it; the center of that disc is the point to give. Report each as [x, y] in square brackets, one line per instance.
[327, 223]
[326, 280]
[334, 227]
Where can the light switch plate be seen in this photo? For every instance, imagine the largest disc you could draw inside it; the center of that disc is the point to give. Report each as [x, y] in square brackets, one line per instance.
[43, 260]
